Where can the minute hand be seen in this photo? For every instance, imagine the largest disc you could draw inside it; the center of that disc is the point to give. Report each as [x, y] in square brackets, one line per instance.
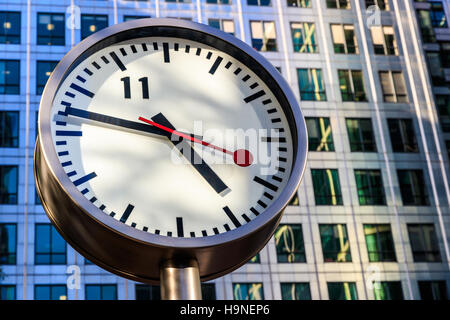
[118, 122]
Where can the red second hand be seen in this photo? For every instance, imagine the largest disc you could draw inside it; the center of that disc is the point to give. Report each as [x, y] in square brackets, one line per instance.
[241, 157]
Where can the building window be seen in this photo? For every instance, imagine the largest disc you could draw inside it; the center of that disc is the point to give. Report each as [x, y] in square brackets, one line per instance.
[443, 107]
[413, 188]
[435, 68]
[7, 292]
[381, 4]
[299, 3]
[8, 184]
[433, 290]
[8, 243]
[294, 200]
[424, 244]
[255, 259]
[9, 76]
[131, 18]
[91, 23]
[369, 185]
[261, 3]
[388, 290]
[263, 35]
[351, 84]
[327, 189]
[50, 247]
[9, 129]
[147, 292]
[208, 291]
[295, 291]
[222, 24]
[338, 4]
[335, 244]
[9, 27]
[437, 13]
[43, 72]
[248, 291]
[426, 26]
[180, 1]
[219, 1]
[344, 39]
[320, 137]
[383, 39]
[403, 138]
[380, 245]
[311, 84]
[342, 291]
[101, 292]
[50, 292]
[289, 243]
[304, 37]
[393, 86]
[360, 134]
[445, 54]
[51, 29]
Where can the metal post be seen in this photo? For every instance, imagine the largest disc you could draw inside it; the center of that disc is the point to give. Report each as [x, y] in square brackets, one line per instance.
[180, 280]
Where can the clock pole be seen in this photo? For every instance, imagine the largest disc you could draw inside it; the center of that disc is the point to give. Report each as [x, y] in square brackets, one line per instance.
[180, 280]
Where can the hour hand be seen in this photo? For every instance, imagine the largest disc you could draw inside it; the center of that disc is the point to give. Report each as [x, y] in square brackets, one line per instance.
[194, 158]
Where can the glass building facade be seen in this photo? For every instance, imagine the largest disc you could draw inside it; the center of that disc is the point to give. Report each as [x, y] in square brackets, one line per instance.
[371, 219]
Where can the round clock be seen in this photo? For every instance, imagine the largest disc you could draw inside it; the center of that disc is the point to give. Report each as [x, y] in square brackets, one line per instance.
[163, 140]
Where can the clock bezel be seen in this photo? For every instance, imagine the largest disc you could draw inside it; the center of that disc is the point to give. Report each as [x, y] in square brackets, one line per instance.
[179, 247]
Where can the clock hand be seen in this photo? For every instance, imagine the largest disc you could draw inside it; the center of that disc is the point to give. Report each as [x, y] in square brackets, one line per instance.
[194, 158]
[118, 122]
[241, 157]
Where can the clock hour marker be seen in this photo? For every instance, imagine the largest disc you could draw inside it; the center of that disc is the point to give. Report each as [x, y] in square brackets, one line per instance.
[66, 164]
[89, 72]
[199, 50]
[72, 173]
[237, 71]
[80, 78]
[208, 56]
[166, 52]
[256, 212]
[245, 78]
[192, 234]
[66, 133]
[157, 231]
[187, 49]
[262, 204]
[81, 90]
[227, 227]
[232, 217]
[69, 94]
[96, 65]
[204, 233]
[145, 229]
[255, 96]
[105, 60]
[93, 199]
[216, 231]
[266, 101]
[133, 224]
[265, 183]
[123, 52]
[180, 229]
[102, 207]
[246, 218]
[144, 47]
[228, 65]
[61, 143]
[117, 61]
[254, 85]
[155, 46]
[126, 213]
[133, 48]
[215, 65]
[85, 178]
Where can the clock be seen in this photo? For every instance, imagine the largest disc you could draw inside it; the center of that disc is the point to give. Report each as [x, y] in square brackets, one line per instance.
[163, 139]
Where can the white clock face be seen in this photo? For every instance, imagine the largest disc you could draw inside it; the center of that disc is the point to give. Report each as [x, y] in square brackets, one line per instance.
[111, 126]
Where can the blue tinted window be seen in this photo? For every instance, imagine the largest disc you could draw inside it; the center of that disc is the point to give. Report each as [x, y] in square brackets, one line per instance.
[91, 23]
[9, 76]
[9, 27]
[50, 247]
[50, 292]
[43, 71]
[7, 292]
[8, 184]
[9, 129]
[101, 292]
[51, 29]
[8, 243]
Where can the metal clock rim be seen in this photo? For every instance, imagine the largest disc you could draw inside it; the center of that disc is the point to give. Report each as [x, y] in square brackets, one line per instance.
[57, 171]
